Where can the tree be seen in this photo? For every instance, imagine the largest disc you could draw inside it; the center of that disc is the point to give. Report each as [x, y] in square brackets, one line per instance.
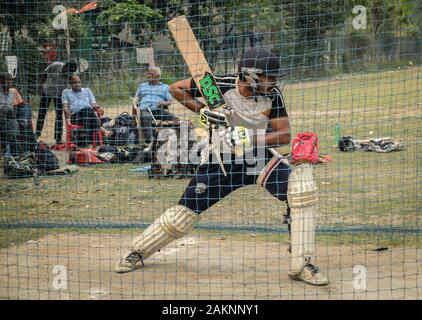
[140, 16]
[16, 14]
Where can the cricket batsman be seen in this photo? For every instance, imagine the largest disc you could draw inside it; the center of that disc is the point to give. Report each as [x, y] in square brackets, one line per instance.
[254, 102]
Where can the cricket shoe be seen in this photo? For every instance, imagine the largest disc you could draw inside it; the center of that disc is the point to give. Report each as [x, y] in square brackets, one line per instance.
[310, 274]
[129, 262]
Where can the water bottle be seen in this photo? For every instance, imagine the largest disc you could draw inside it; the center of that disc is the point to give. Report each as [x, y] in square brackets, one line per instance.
[337, 133]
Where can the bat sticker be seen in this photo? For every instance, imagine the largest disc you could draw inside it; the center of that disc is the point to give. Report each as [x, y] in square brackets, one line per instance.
[210, 91]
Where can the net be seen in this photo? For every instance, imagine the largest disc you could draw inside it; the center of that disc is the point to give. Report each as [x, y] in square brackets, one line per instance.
[77, 190]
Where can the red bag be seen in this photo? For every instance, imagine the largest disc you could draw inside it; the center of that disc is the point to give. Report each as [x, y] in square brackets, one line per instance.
[305, 148]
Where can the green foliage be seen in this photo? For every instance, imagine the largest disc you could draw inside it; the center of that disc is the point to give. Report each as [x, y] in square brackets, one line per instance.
[130, 10]
[77, 26]
[312, 37]
[16, 14]
[115, 14]
[30, 65]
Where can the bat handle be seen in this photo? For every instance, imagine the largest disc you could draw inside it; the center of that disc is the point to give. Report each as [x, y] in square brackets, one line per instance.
[220, 161]
[278, 155]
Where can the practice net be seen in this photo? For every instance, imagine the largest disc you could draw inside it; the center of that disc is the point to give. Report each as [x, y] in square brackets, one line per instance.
[73, 196]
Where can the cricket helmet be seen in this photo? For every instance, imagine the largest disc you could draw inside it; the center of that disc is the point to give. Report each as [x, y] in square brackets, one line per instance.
[260, 61]
[256, 62]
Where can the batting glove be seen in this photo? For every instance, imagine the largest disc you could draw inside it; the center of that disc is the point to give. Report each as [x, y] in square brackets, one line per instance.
[213, 118]
[236, 139]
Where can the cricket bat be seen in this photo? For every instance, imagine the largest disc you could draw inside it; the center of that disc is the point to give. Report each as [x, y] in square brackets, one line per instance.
[198, 66]
[201, 73]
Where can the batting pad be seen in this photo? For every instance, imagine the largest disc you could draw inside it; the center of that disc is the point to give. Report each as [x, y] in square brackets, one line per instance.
[302, 196]
[173, 224]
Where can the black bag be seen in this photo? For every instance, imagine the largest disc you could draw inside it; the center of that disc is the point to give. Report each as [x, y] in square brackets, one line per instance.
[45, 159]
[124, 119]
[31, 163]
[120, 136]
[134, 154]
[105, 120]
[346, 144]
[122, 154]
[124, 130]
[21, 166]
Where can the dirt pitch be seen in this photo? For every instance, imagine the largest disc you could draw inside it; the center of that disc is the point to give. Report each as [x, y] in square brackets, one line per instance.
[199, 267]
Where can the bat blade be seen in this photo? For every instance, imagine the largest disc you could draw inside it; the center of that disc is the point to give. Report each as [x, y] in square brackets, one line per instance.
[195, 59]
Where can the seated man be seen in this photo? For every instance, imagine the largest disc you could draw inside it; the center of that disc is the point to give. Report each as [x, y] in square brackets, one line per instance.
[9, 126]
[153, 98]
[23, 113]
[22, 108]
[80, 106]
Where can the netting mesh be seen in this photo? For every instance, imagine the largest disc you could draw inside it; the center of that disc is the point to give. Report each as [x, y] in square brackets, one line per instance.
[354, 71]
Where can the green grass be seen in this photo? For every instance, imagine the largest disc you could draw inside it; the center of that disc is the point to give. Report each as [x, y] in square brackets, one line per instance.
[357, 189]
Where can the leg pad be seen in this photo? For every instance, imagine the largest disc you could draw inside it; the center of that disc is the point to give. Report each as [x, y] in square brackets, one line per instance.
[173, 224]
[303, 199]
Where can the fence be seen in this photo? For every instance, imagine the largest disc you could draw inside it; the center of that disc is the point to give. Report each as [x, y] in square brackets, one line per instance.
[351, 65]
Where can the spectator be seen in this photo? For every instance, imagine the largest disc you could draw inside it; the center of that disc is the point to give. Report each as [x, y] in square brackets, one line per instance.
[49, 51]
[54, 81]
[23, 113]
[80, 107]
[23, 109]
[153, 98]
[9, 126]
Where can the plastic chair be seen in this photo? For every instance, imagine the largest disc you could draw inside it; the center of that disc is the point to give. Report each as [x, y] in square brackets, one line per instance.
[70, 127]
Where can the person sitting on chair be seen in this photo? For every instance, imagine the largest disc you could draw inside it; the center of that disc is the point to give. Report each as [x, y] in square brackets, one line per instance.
[81, 108]
[151, 100]
[22, 108]
[9, 126]
[23, 114]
